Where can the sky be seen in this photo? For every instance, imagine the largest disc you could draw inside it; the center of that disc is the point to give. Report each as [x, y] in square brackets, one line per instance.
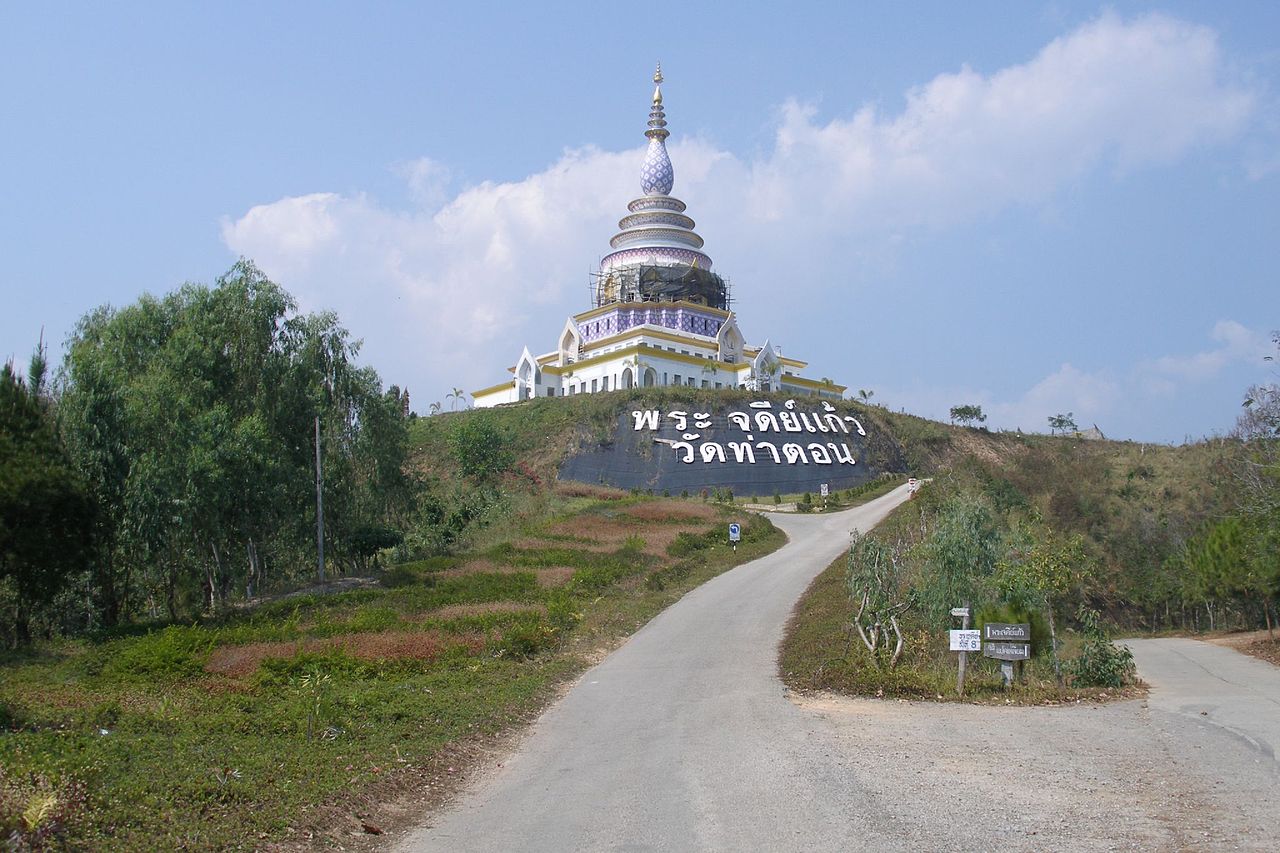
[1038, 208]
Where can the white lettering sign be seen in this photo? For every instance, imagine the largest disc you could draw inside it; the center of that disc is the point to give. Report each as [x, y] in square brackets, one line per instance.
[966, 641]
[828, 427]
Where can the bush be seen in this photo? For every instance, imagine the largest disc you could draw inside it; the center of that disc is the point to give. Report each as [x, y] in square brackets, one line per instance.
[175, 651]
[686, 544]
[481, 448]
[1100, 664]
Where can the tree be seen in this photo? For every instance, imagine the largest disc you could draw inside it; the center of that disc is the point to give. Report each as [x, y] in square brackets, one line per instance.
[865, 395]
[1063, 423]
[482, 450]
[966, 415]
[194, 416]
[959, 557]
[456, 396]
[1038, 573]
[46, 513]
[876, 580]
[435, 408]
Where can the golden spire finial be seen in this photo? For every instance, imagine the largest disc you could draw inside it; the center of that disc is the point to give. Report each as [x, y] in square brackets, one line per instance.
[657, 85]
[657, 75]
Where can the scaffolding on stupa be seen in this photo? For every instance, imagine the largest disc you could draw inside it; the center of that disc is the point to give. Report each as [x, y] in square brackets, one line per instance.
[661, 283]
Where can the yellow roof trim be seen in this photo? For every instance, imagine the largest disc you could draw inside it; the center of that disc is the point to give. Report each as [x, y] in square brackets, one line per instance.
[492, 389]
[816, 384]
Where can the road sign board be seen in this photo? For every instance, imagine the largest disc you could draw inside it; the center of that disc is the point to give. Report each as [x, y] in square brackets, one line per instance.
[966, 641]
[1007, 651]
[1009, 633]
[823, 490]
[735, 533]
[959, 611]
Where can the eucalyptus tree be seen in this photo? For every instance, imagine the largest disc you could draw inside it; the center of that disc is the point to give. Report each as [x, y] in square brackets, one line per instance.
[194, 415]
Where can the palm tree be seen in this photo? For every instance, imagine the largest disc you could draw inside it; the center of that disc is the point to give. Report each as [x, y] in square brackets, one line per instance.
[436, 407]
[456, 395]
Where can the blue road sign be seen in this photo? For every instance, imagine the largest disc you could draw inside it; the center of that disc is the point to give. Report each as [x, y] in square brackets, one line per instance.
[735, 533]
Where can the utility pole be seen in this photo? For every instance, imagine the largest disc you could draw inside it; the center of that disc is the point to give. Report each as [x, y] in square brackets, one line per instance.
[319, 508]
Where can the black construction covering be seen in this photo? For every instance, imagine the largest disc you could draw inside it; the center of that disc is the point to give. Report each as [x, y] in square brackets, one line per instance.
[663, 284]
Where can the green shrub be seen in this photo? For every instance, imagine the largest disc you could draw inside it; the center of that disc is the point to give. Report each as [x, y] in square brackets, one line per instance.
[173, 652]
[406, 574]
[525, 639]
[481, 448]
[1100, 663]
[374, 619]
[685, 544]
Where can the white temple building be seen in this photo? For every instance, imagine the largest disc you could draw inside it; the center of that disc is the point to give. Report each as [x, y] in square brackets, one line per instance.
[661, 315]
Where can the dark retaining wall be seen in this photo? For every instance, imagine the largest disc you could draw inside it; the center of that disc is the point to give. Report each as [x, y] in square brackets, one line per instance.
[635, 456]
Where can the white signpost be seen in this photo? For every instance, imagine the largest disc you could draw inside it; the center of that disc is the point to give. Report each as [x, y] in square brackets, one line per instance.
[966, 641]
[735, 535]
[824, 490]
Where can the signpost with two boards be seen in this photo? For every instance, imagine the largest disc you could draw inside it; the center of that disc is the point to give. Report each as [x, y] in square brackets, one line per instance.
[1007, 642]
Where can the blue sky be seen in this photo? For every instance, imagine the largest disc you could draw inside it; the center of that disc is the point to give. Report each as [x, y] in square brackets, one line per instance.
[1038, 208]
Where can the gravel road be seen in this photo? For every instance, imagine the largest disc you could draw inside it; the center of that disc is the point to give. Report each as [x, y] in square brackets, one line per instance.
[684, 739]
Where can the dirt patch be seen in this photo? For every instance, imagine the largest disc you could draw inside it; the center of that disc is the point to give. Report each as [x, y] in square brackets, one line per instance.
[1254, 643]
[240, 661]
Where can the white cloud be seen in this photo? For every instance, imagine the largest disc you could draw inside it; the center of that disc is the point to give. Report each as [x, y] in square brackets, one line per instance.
[1108, 398]
[448, 292]
[1235, 343]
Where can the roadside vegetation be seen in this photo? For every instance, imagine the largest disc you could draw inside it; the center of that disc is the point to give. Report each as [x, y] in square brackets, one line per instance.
[1079, 538]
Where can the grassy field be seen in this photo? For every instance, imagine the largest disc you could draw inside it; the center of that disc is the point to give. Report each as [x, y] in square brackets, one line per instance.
[291, 721]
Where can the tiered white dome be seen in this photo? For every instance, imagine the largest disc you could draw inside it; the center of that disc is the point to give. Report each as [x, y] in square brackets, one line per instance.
[656, 232]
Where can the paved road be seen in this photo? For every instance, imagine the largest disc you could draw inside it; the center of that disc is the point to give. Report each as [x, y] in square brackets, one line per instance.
[1213, 686]
[682, 738]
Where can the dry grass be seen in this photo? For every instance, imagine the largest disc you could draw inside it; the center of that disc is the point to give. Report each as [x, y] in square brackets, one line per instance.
[240, 661]
[599, 534]
[569, 489]
[478, 566]
[461, 611]
[548, 576]
[553, 576]
[672, 511]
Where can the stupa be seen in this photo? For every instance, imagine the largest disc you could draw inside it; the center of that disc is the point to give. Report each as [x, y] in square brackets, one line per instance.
[662, 315]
